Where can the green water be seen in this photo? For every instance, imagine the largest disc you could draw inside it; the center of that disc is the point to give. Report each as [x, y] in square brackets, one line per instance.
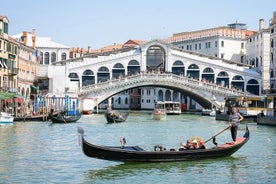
[41, 152]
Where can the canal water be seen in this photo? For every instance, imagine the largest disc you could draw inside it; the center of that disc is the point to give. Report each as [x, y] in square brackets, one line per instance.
[41, 152]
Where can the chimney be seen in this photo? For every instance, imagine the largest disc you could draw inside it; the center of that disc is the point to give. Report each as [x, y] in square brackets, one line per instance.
[261, 24]
[25, 38]
[33, 38]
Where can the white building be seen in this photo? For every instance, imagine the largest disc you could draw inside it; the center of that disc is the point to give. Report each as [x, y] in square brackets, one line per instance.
[258, 54]
[48, 52]
[273, 53]
[223, 42]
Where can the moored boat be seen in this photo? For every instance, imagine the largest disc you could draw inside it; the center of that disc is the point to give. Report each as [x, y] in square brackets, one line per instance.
[42, 117]
[6, 119]
[62, 118]
[248, 106]
[268, 115]
[138, 154]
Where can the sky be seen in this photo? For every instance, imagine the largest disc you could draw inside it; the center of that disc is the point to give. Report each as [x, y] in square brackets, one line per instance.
[98, 23]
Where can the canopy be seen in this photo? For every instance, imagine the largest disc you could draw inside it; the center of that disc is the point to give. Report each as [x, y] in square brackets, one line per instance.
[8, 97]
[4, 96]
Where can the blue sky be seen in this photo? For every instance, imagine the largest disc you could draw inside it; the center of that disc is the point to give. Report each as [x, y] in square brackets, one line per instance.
[97, 23]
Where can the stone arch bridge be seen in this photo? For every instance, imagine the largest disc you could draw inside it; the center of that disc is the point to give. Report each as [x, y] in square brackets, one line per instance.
[204, 93]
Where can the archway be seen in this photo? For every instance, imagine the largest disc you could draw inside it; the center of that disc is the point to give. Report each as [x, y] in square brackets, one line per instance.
[133, 67]
[193, 71]
[118, 71]
[156, 59]
[253, 87]
[237, 82]
[223, 79]
[208, 75]
[178, 68]
[88, 78]
[103, 74]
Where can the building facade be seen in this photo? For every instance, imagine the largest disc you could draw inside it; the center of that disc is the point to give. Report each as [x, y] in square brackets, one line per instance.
[258, 54]
[8, 58]
[272, 72]
[223, 42]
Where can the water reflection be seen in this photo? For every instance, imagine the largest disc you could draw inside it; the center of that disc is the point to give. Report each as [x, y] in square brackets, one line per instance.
[188, 171]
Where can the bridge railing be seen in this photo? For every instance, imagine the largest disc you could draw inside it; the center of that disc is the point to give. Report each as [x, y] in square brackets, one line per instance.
[182, 80]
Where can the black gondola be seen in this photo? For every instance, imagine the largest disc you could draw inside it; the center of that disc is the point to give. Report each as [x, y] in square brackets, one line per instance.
[62, 118]
[138, 154]
[44, 117]
[115, 117]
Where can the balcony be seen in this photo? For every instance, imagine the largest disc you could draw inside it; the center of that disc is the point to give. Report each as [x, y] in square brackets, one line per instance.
[13, 71]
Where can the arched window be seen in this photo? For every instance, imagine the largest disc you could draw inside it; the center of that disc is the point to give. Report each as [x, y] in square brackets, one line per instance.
[47, 58]
[63, 56]
[118, 71]
[133, 67]
[178, 68]
[41, 59]
[53, 57]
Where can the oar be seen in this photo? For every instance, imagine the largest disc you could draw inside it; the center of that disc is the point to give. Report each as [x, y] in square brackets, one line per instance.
[216, 134]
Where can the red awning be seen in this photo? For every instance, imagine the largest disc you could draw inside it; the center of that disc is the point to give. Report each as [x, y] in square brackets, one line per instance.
[16, 99]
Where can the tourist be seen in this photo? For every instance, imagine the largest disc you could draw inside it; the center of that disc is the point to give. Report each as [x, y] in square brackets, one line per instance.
[52, 108]
[234, 120]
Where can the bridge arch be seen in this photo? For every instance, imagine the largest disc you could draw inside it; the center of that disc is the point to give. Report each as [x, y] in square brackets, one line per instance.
[133, 67]
[118, 71]
[253, 87]
[193, 71]
[88, 77]
[178, 68]
[237, 82]
[208, 74]
[223, 79]
[103, 74]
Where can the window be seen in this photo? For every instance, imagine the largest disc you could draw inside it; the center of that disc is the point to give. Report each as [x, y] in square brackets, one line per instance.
[216, 43]
[242, 45]
[187, 47]
[199, 46]
[195, 46]
[53, 57]
[222, 56]
[222, 43]
[6, 28]
[63, 56]
[47, 58]
[272, 43]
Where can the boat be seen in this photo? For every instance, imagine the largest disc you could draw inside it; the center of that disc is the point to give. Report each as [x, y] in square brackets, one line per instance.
[87, 112]
[171, 107]
[137, 154]
[159, 114]
[6, 119]
[248, 106]
[115, 116]
[159, 111]
[42, 117]
[61, 117]
[268, 116]
[208, 112]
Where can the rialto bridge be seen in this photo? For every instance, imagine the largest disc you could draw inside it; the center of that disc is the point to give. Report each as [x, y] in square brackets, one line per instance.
[154, 63]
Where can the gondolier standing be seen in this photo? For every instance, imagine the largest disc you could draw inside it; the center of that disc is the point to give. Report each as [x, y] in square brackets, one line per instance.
[234, 120]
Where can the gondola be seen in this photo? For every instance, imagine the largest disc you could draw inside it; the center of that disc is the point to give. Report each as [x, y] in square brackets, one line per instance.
[138, 154]
[62, 118]
[115, 117]
[44, 117]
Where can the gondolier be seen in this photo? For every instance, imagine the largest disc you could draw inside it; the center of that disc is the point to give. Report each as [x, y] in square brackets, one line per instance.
[234, 120]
